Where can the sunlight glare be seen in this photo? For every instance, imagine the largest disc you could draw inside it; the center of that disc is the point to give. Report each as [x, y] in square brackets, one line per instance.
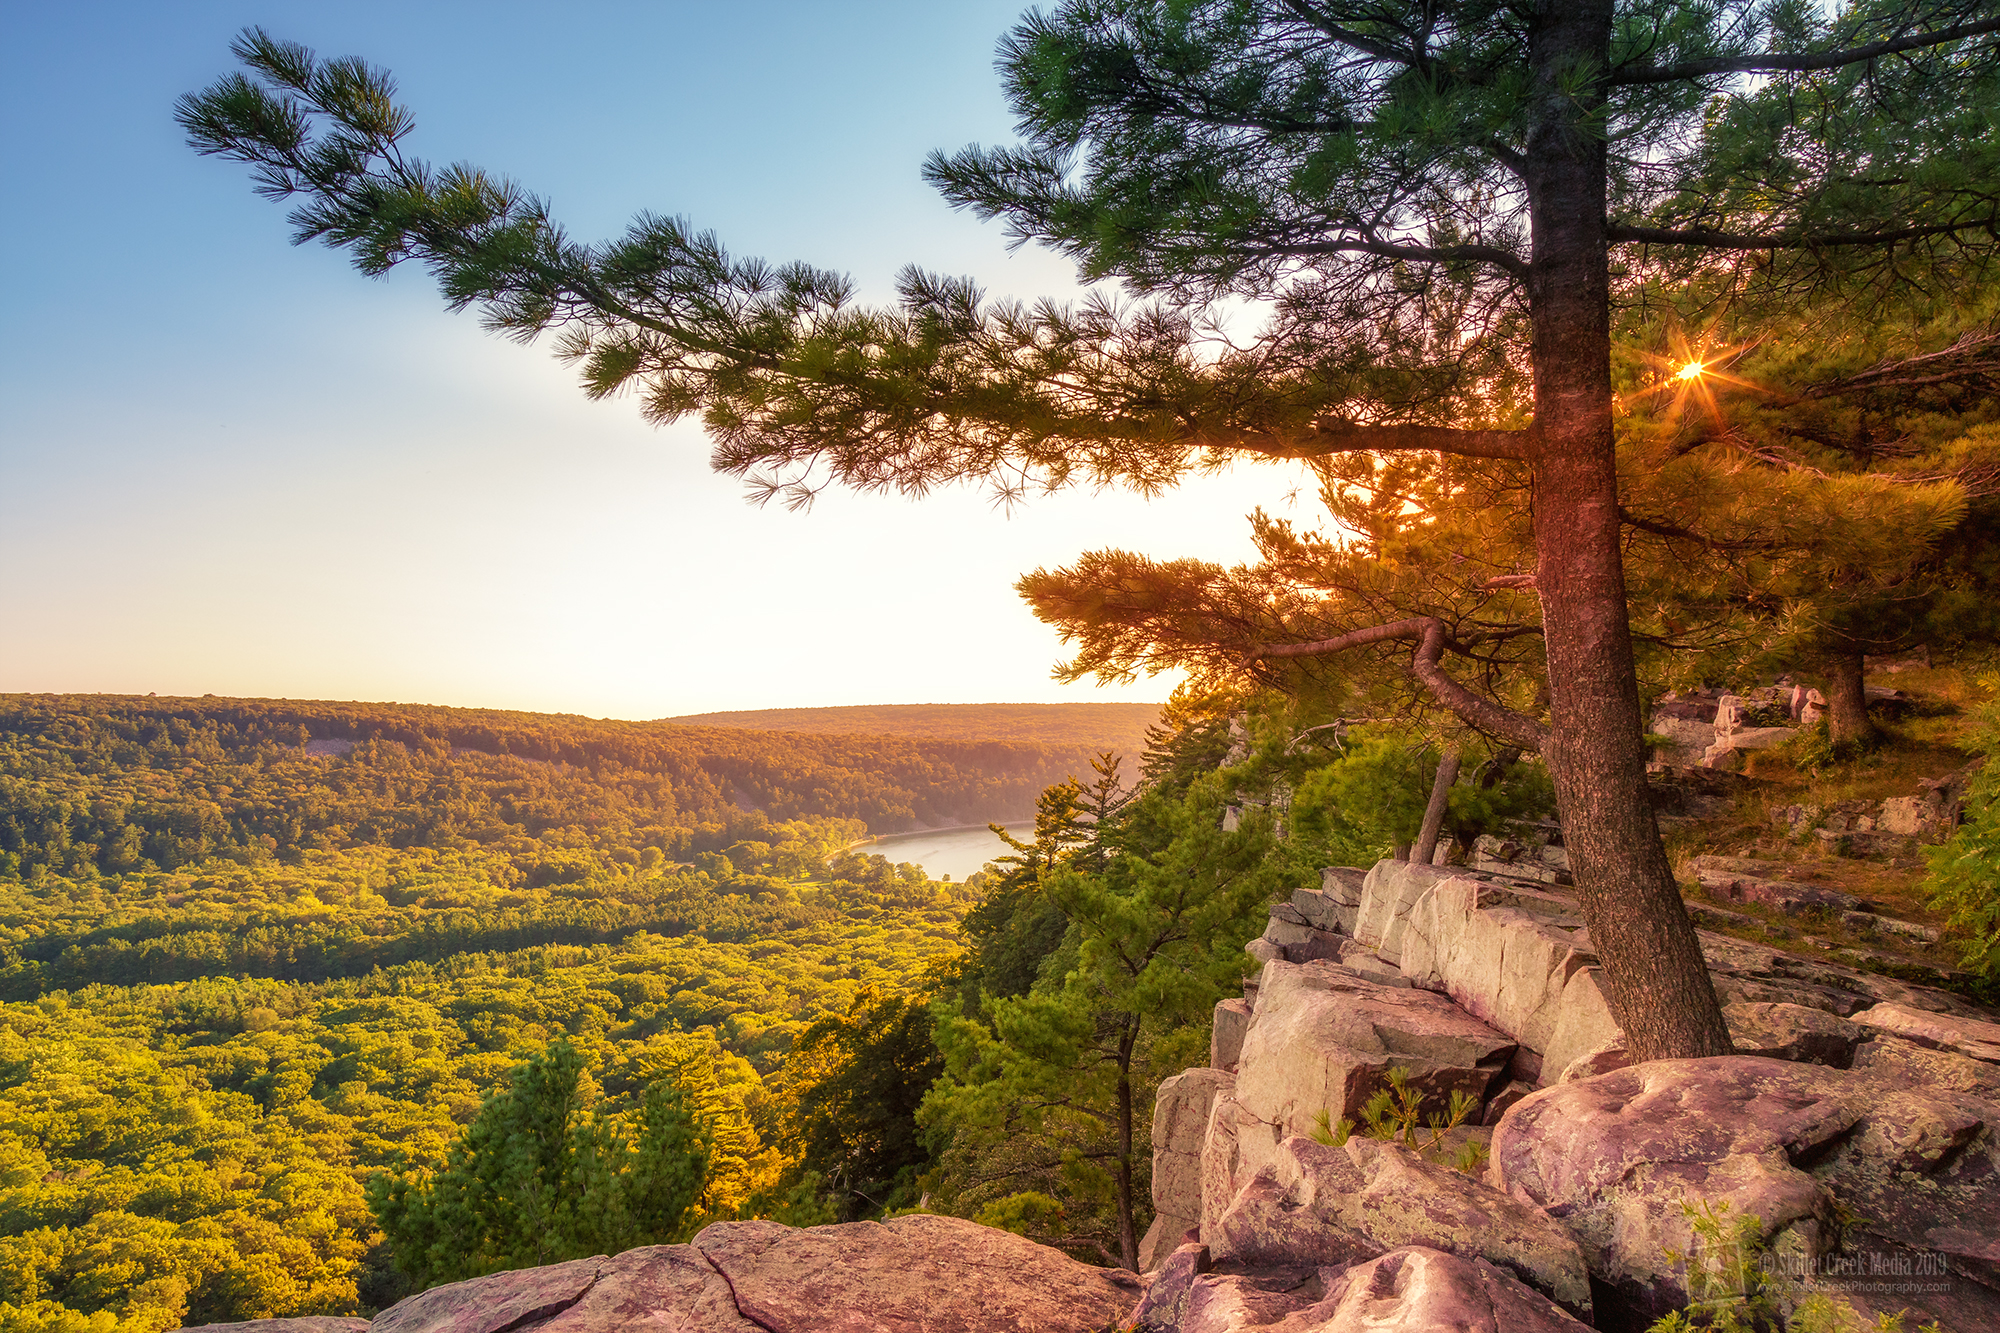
[1691, 371]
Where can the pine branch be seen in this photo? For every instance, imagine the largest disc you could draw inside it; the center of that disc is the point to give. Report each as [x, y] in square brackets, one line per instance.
[1730, 240]
[1772, 62]
[1343, 437]
[1429, 634]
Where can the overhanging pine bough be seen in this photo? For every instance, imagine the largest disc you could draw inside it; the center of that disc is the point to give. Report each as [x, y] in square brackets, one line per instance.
[1428, 192]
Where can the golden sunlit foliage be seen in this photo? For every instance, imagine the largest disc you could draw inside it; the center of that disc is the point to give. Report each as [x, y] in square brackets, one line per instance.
[257, 953]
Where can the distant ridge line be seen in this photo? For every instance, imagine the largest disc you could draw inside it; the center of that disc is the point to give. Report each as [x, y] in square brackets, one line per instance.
[1117, 726]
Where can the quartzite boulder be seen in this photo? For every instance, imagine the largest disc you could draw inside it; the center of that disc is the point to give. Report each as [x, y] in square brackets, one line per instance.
[1316, 1205]
[523, 1299]
[1409, 1290]
[1738, 880]
[1792, 1032]
[915, 1274]
[1971, 1037]
[1420, 1290]
[1799, 1146]
[1180, 1124]
[1904, 1063]
[311, 1323]
[1301, 940]
[1388, 894]
[661, 1287]
[1504, 953]
[1226, 1033]
[1322, 1041]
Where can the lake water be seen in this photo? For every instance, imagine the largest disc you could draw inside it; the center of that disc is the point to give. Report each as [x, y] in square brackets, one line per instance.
[957, 852]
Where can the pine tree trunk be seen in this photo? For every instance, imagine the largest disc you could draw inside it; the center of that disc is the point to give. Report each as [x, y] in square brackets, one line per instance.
[1427, 840]
[1128, 1233]
[1654, 972]
[1847, 701]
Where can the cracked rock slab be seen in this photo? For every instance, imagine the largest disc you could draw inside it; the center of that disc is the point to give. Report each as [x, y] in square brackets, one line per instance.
[1839, 1167]
[1317, 1205]
[655, 1289]
[1420, 1290]
[1944, 1032]
[496, 1303]
[312, 1323]
[915, 1274]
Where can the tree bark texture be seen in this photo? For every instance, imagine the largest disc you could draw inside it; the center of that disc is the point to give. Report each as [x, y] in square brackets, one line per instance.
[1128, 1231]
[1427, 840]
[1657, 980]
[1847, 700]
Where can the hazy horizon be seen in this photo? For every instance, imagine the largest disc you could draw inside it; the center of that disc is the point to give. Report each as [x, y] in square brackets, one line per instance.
[237, 467]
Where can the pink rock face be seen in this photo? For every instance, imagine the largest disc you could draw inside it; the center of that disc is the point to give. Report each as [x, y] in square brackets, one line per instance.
[1323, 1040]
[1419, 1290]
[314, 1323]
[520, 1299]
[917, 1274]
[1944, 1032]
[1413, 1289]
[657, 1289]
[1316, 1205]
[1805, 1149]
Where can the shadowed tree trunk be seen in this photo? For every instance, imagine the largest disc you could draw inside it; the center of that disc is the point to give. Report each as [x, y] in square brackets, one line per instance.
[1847, 700]
[1427, 840]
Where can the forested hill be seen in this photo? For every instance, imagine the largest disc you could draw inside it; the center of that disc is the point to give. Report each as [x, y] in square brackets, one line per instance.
[255, 953]
[279, 771]
[1117, 727]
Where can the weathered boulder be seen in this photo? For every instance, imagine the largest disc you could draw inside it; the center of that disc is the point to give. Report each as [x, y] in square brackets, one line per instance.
[914, 1274]
[1906, 1064]
[1226, 1031]
[1315, 1205]
[1748, 972]
[1503, 952]
[1263, 951]
[1388, 894]
[1801, 1147]
[1300, 940]
[1363, 961]
[1322, 1041]
[1944, 1032]
[1604, 1060]
[1337, 900]
[1165, 1303]
[1421, 1290]
[1584, 1024]
[1523, 858]
[1181, 1111]
[1727, 750]
[1413, 1289]
[1230, 1128]
[311, 1323]
[659, 1286]
[525, 1298]
[1792, 1032]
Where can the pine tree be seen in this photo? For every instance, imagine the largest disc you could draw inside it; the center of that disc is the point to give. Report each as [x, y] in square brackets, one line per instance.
[1440, 202]
[1054, 1085]
[536, 1179]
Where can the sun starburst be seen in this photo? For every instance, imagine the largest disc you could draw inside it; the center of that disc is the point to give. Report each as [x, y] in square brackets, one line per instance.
[1688, 374]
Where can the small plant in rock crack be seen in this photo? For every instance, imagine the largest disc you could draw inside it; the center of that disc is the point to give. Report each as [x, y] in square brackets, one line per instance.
[1727, 1292]
[1395, 1114]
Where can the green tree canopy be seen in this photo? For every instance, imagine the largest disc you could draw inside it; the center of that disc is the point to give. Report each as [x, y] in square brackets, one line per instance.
[537, 1179]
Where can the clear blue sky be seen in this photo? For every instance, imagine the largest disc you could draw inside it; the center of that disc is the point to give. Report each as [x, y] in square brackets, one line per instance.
[231, 466]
